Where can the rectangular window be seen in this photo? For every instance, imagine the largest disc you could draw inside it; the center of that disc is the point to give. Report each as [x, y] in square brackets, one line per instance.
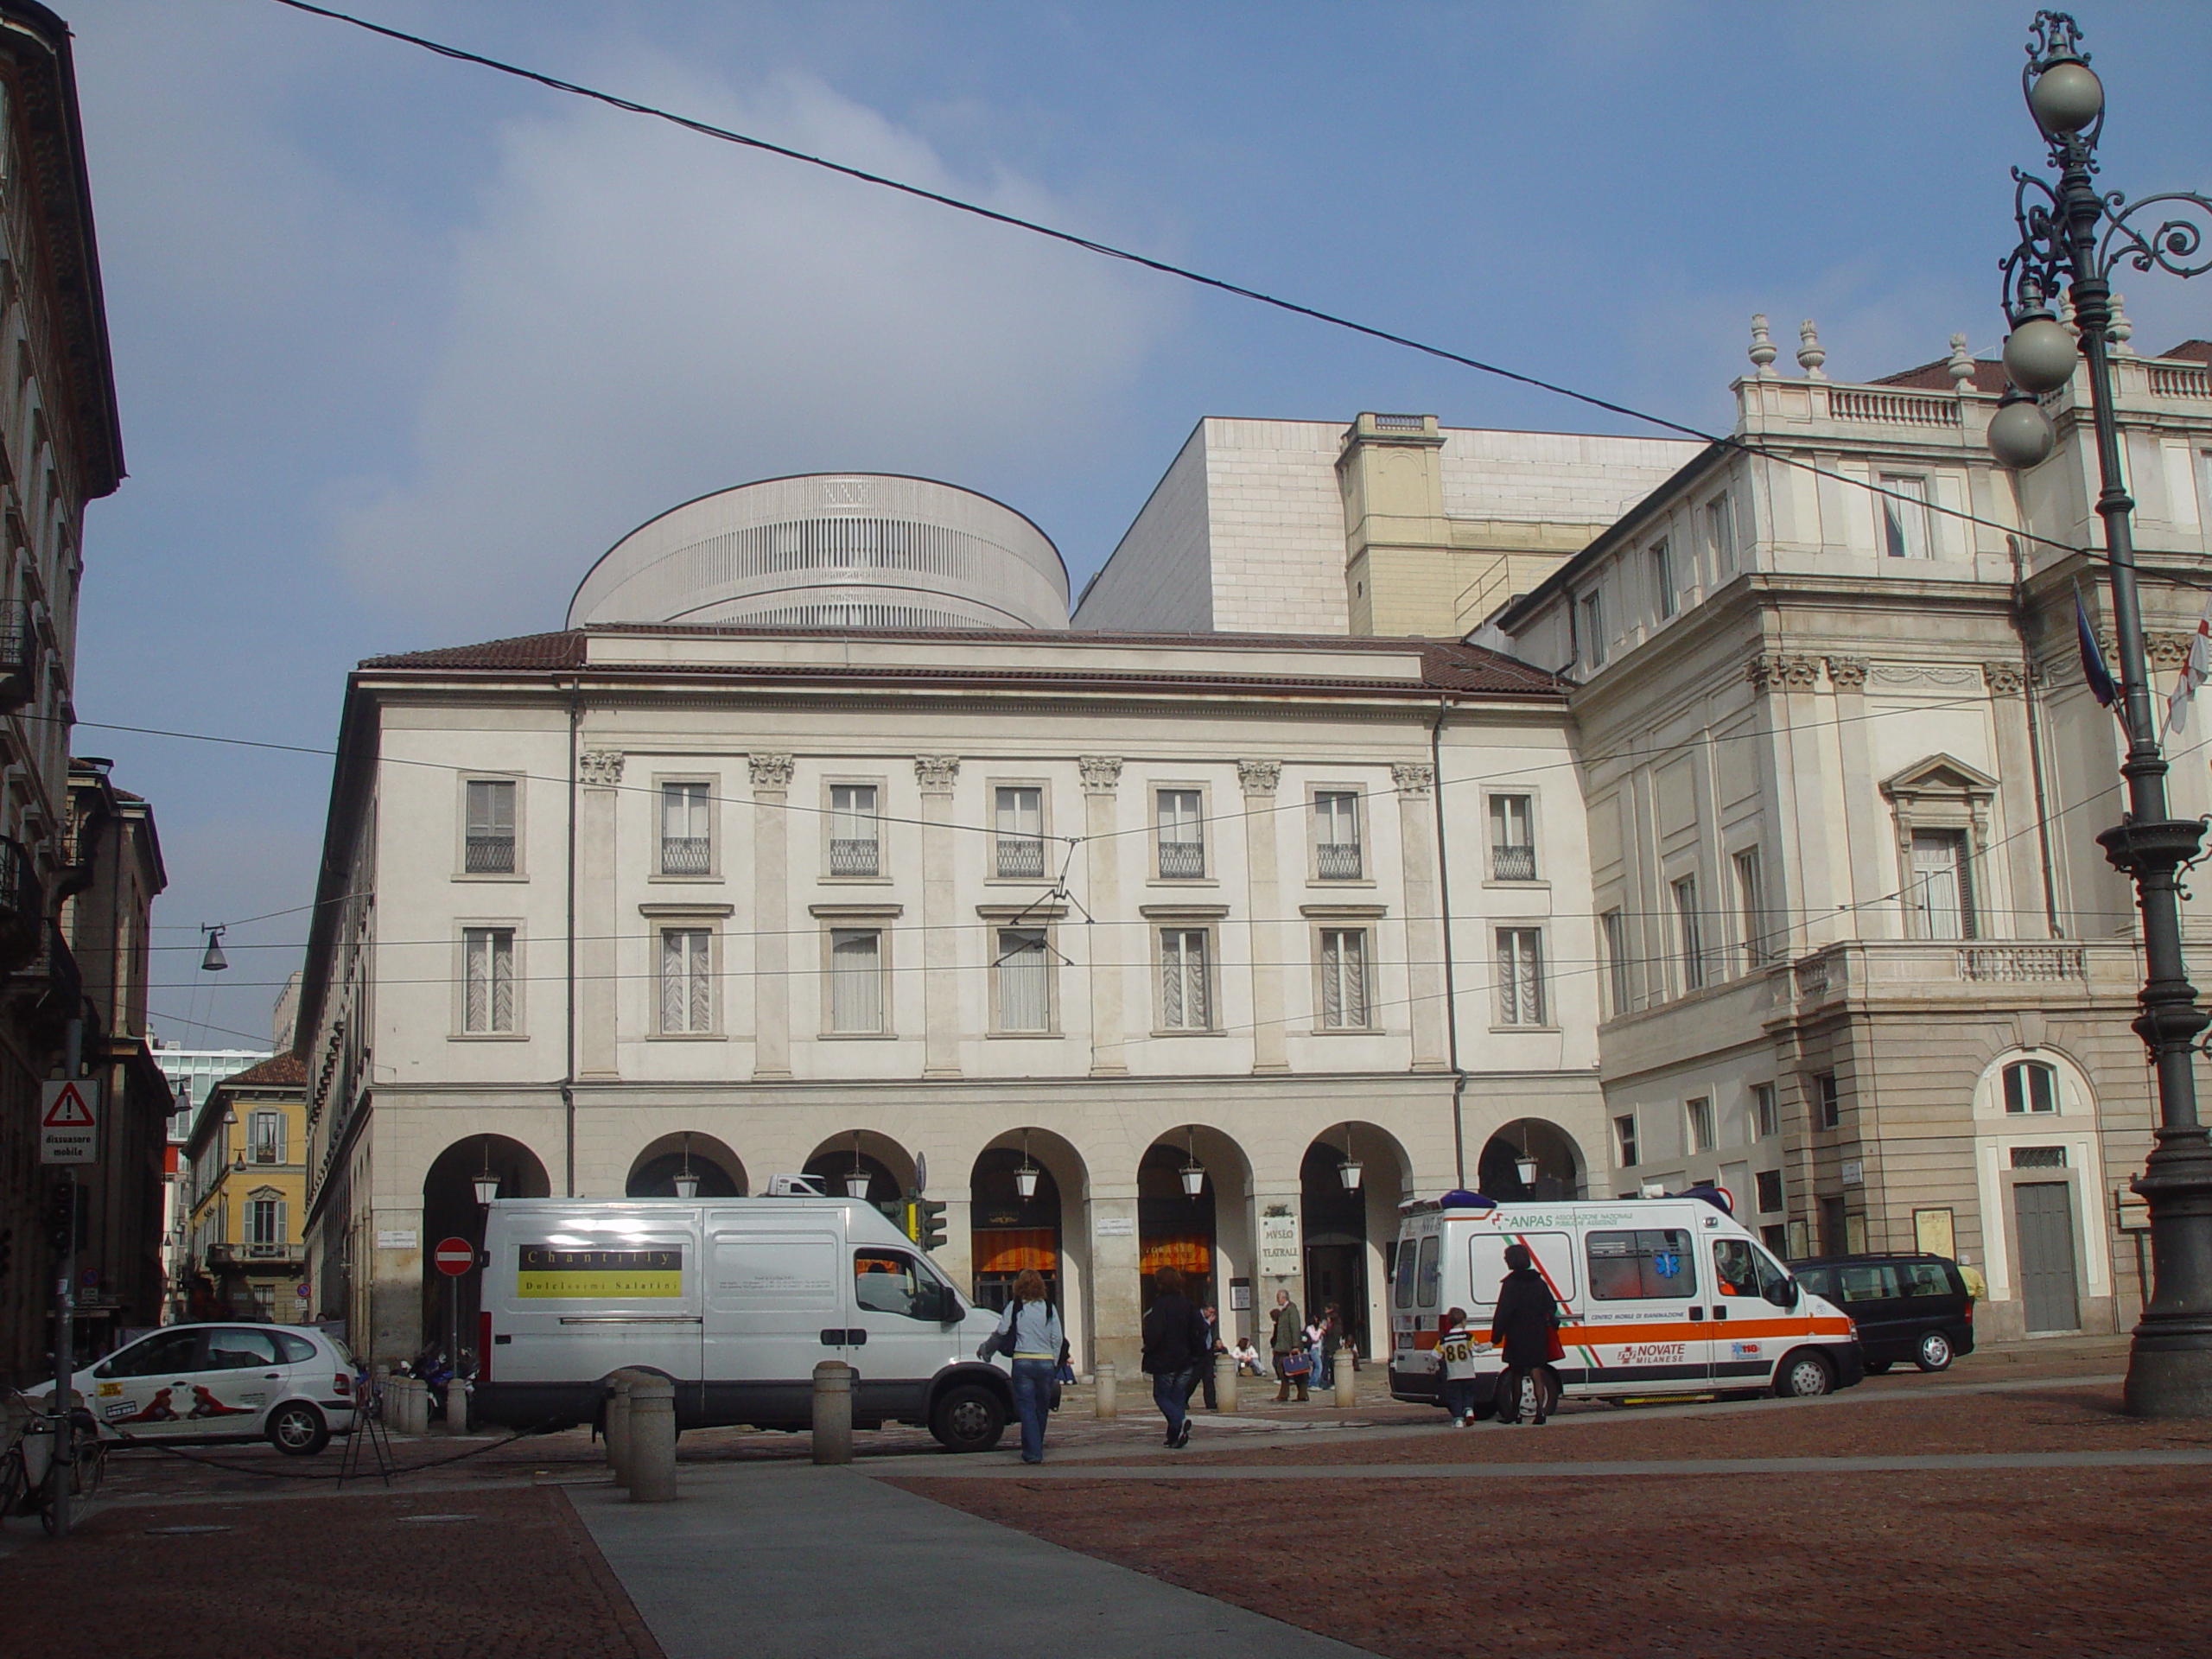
[1593, 630]
[1904, 517]
[1343, 978]
[1336, 836]
[1766, 1116]
[1942, 885]
[686, 981]
[856, 979]
[1023, 967]
[489, 846]
[1186, 1000]
[1769, 1182]
[1662, 579]
[1624, 1139]
[1512, 838]
[1699, 1112]
[1721, 535]
[1751, 908]
[1182, 834]
[265, 1222]
[1019, 823]
[1613, 929]
[488, 980]
[2030, 1086]
[1519, 976]
[1831, 1100]
[268, 1137]
[856, 838]
[1649, 1264]
[1690, 932]
[684, 847]
[1428, 1272]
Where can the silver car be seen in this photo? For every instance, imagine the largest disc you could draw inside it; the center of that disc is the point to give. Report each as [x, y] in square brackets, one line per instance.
[290, 1385]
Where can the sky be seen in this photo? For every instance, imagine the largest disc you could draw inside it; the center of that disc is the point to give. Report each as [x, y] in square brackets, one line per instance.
[403, 345]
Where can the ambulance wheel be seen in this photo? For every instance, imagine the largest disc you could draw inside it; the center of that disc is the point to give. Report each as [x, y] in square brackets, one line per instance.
[968, 1419]
[1876, 1367]
[1804, 1375]
[1934, 1353]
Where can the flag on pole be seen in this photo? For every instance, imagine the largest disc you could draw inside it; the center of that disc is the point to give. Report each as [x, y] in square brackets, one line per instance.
[2196, 669]
[2093, 656]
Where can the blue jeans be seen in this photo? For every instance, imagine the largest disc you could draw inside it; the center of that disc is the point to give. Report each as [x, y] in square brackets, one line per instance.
[1460, 1395]
[1170, 1392]
[1032, 1396]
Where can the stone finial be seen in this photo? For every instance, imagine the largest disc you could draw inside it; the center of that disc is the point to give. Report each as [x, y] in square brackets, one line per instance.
[1810, 353]
[1259, 777]
[769, 771]
[1960, 367]
[602, 767]
[1101, 773]
[936, 773]
[1763, 347]
[2066, 313]
[2121, 328]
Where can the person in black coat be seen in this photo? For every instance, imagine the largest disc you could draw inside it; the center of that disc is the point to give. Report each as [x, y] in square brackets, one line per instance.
[1522, 1329]
[1176, 1338]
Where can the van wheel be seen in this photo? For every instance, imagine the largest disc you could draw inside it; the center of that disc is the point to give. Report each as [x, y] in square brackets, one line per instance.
[297, 1430]
[1876, 1367]
[1934, 1353]
[1804, 1375]
[968, 1419]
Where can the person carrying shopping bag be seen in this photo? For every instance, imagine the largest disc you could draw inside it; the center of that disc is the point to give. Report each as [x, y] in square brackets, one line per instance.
[1029, 1335]
[1288, 1344]
[1526, 1328]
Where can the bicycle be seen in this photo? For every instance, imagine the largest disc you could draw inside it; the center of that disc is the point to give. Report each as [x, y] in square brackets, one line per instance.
[24, 1487]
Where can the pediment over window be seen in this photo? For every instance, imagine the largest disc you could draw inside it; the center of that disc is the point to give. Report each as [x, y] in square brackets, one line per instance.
[266, 1192]
[1940, 777]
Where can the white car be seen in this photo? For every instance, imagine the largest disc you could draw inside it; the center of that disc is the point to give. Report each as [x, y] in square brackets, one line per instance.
[290, 1385]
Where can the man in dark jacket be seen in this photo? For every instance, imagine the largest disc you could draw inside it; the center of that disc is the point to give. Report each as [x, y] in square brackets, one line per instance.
[1175, 1341]
[1522, 1329]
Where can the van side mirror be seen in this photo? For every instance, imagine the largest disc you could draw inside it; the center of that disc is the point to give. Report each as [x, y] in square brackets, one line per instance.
[944, 1305]
[1785, 1295]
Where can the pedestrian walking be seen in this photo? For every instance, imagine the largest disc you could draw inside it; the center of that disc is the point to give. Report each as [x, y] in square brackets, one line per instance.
[1202, 1377]
[1175, 1342]
[1526, 1328]
[1455, 1358]
[1029, 1335]
[1286, 1342]
[1317, 1350]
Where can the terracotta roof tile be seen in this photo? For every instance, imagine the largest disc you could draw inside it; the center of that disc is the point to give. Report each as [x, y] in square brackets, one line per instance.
[562, 650]
[276, 1072]
[1988, 376]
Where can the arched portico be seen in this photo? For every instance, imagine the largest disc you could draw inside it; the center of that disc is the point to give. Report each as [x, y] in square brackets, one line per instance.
[718, 1172]
[1531, 1158]
[889, 1166]
[1352, 1178]
[451, 1210]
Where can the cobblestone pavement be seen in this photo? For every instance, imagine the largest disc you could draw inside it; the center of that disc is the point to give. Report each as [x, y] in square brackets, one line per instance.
[487, 1574]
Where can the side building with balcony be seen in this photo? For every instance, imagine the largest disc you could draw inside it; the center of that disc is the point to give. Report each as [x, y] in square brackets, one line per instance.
[244, 1255]
[1860, 957]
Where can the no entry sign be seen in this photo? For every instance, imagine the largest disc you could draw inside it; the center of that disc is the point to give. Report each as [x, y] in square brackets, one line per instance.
[454, 1257]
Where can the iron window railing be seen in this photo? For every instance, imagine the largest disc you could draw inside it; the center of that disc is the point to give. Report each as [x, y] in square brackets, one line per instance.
[1021, 858]
[490, 855]
[1339, 861]
[854, 857]
[1513, 863]
[18, 654]
[1182, 860]
[22, 906]
[685, 856]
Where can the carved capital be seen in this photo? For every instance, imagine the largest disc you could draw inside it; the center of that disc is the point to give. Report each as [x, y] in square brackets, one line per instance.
[936, 773]
[1259, 777]
[1413, 777]
[1773, 671]
[2004, 679]
[1847, 673]
[1102, 773]
[2166, 650]
[769, 771]
[600, 766]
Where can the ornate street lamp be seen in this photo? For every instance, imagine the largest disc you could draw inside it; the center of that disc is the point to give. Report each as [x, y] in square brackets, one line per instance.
[486, 1183]
[686, 1184]
[1194, 1172]
[1525, 1167]
[2072, 237]
[857, 1180]
[1025, 1178]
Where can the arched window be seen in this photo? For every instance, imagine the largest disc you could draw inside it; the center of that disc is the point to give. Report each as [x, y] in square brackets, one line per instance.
[2030, 1086]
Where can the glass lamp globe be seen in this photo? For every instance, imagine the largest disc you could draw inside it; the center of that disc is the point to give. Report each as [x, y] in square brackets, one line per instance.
[1348, 1172]
[1025, 1181]
[857, 1184]
[1526, 1169]
[2020, 435]
[1194, 1180]
[2066, 98]
[487, 1188]
[2040, 355]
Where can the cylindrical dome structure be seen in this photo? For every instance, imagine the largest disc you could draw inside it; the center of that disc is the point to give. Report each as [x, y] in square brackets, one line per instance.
[832, 551]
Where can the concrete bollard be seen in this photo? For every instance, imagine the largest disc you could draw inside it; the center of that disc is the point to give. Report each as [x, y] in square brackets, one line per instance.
[833, 1412]
[411, 1399]
[456, 1406]
[1347, 1379]
[1225, 1383]
[653, 1440]
[1102, 1383]
[618, 1427]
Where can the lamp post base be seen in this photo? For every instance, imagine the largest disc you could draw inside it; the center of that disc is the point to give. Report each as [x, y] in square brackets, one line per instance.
[2169, 1366]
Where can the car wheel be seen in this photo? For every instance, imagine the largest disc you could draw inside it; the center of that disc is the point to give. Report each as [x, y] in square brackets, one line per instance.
[1934, 1353]
[1876, 1367]
[969, 1418]
[297, 1430]
[1804, 1375]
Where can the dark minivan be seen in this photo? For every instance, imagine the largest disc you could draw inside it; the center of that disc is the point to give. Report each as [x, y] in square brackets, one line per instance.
[1914, 1307]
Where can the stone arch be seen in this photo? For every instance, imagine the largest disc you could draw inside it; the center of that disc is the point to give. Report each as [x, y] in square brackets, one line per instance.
[1561, 1171]
[721, 1171]
[1350, 1234]
[888, 1166]
[1206, 1237]
[450, 1211]
[1048, 1231]
[2064, 1147]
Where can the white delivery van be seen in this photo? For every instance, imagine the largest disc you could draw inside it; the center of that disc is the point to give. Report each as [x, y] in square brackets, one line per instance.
[735, 1301]
[1668, 1295]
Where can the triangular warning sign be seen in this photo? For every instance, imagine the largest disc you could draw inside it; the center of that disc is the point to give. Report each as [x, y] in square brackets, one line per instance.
[69, 1111]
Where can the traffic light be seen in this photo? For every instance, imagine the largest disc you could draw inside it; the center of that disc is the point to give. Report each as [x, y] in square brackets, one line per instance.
[6, 1248]
[928, 1229]
[61, 1216]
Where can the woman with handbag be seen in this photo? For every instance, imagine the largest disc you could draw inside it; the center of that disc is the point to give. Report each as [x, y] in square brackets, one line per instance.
[1526, 1328]
[1029, 1335]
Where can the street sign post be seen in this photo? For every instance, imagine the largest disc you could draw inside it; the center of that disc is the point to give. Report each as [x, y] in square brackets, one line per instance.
[69, 1123]
[454, 1257]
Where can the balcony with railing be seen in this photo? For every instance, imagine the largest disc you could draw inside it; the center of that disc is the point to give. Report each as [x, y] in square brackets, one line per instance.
[855, 857]
[1182, 861]
[1020, 858]
[1513, 863]
[18, 654]
[1939, 972]
[22, 906]
[489, 855]
[256, 1256]
[1338, 860]
[686, 856]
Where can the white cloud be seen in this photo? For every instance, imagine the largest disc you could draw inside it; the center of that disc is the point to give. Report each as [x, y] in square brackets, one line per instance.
[639, 315]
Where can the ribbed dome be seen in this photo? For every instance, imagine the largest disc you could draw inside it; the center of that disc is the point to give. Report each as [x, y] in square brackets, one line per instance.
[832, 551]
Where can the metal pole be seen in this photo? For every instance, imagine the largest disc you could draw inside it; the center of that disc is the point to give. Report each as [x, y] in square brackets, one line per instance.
[64, 1467]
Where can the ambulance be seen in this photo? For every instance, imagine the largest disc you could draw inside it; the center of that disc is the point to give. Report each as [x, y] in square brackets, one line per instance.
[735, 1301]
[1656, 1296]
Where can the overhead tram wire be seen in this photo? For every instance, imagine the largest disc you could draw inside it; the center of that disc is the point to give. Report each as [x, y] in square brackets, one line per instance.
[1108, 250]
